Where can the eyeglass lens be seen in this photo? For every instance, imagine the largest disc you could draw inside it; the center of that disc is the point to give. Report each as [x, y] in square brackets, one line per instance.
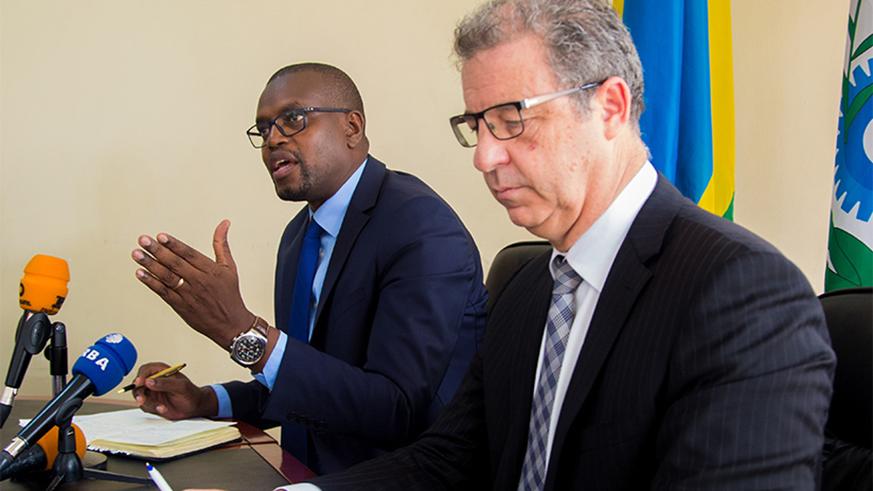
[504, 122]
[288, 124]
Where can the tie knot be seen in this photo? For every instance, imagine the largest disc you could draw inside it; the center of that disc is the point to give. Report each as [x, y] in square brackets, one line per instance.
[313, 230]
[566, 279]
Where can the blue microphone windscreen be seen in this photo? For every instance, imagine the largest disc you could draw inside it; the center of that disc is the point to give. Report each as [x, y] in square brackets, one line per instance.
[106, 362]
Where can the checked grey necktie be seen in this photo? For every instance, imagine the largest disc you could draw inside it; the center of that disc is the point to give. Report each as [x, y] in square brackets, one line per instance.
[561, 314]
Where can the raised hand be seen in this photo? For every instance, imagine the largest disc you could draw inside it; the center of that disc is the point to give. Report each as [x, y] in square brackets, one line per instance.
[205, 293]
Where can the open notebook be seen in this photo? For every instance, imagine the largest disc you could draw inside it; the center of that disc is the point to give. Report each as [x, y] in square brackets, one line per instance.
[138, 434]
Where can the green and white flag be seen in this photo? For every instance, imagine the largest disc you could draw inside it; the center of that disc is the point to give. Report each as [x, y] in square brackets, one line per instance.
[850, 260]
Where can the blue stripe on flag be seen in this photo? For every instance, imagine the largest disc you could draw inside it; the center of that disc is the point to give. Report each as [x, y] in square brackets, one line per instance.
[672, 37]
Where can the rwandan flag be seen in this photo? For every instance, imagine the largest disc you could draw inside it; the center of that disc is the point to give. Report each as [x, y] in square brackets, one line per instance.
[688, 124]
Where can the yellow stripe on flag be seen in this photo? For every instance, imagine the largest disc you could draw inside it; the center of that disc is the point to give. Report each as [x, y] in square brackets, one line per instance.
[618, 5]
[719, 193]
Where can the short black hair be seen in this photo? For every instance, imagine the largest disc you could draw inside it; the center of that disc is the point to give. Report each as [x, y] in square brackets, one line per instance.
[337, 83]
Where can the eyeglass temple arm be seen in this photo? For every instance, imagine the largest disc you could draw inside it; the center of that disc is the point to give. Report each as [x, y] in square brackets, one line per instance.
[535, 101]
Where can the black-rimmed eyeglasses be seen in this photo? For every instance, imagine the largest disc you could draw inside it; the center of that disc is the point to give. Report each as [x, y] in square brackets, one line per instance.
[503, 120]
[289, 123]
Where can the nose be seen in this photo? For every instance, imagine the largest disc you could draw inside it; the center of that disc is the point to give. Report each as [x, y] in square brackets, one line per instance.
[275, 137]
[490, 152]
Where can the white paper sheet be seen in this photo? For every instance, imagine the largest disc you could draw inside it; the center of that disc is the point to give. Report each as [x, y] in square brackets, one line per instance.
[133, 426]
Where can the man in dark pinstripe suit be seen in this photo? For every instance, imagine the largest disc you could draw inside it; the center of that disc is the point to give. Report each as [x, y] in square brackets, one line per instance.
[656, 346]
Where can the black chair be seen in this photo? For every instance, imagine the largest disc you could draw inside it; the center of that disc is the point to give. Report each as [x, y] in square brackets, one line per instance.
[848, 461]
[509, 261]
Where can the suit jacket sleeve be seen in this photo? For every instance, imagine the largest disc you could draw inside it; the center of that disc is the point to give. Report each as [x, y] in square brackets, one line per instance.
[425, 268]
[247, 401]
[451, 455]
[751, 373]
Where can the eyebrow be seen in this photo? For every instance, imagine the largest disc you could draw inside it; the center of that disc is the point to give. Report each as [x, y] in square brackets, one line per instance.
[286, 108]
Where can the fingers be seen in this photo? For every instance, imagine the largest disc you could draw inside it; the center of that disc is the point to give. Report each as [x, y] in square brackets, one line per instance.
[172, 263]
[158, 286]
[146, 399]
[220, 245]
[163, 396]
[160, 255]
[176, 383]
[154, 270]
[187, 254]
[150, 405]
[158, 405]
[140, 394]
[147, 369]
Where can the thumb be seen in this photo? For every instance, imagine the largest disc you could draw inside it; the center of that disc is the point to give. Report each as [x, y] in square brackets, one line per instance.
[221, 246]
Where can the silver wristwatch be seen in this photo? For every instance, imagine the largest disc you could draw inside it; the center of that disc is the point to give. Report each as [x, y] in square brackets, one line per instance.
[249, 347]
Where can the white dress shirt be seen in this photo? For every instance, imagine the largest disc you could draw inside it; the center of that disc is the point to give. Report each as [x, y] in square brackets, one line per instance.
[591, 257]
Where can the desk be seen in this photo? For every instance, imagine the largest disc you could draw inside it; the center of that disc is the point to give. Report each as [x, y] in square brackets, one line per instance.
[256, 463]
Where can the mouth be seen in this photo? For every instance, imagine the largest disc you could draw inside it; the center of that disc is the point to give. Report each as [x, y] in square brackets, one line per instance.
[504, 193]
[281, 165]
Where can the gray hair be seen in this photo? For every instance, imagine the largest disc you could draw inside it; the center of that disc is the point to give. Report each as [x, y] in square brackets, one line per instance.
[585, 39]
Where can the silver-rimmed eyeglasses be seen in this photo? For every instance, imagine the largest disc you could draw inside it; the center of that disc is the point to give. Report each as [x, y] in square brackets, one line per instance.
[504, 120]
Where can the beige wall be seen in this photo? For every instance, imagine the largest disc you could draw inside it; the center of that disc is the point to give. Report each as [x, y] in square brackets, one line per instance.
[788, 60]
[122, 118]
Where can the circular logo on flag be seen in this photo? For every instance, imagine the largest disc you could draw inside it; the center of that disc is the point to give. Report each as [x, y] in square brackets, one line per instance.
[854, 176]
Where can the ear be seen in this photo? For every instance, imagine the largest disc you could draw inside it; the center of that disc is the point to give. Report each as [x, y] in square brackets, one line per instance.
[615, 99]
[355, 125]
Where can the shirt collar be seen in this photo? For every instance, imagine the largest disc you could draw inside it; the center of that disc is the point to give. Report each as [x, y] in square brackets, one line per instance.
[329, 216]
[593, 253]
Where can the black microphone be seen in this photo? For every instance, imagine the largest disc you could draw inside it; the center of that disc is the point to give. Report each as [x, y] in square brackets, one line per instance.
[41, 457]
[100, 368]
[42, 291]
[31, 336]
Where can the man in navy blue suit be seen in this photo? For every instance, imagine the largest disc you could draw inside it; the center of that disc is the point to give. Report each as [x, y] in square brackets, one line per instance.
[379, 302]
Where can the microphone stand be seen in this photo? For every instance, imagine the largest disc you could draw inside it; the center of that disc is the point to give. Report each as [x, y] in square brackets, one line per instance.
[68, 466]
[56, 353]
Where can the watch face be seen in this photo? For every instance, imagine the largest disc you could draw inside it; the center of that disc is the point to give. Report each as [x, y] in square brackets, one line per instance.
[248, 349]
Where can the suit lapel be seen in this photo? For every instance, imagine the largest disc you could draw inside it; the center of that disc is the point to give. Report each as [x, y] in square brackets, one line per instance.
[357, 215]
[531, 316]
[286, 269]
[627, 278]
[512, 350]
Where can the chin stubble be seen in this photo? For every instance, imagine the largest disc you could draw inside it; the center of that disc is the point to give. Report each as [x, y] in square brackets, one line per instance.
[301, 192]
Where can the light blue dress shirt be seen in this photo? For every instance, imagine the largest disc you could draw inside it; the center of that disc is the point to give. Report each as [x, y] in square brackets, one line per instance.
[329, 217]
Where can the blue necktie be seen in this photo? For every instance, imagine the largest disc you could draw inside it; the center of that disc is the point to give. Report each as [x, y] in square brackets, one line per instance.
[294, 434]
[561, 314]
[301, 304]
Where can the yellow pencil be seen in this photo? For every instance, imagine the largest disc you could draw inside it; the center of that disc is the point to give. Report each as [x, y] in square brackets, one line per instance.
[163, 373]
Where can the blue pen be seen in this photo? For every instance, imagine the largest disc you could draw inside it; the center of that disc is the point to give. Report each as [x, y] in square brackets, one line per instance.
[157, 478]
